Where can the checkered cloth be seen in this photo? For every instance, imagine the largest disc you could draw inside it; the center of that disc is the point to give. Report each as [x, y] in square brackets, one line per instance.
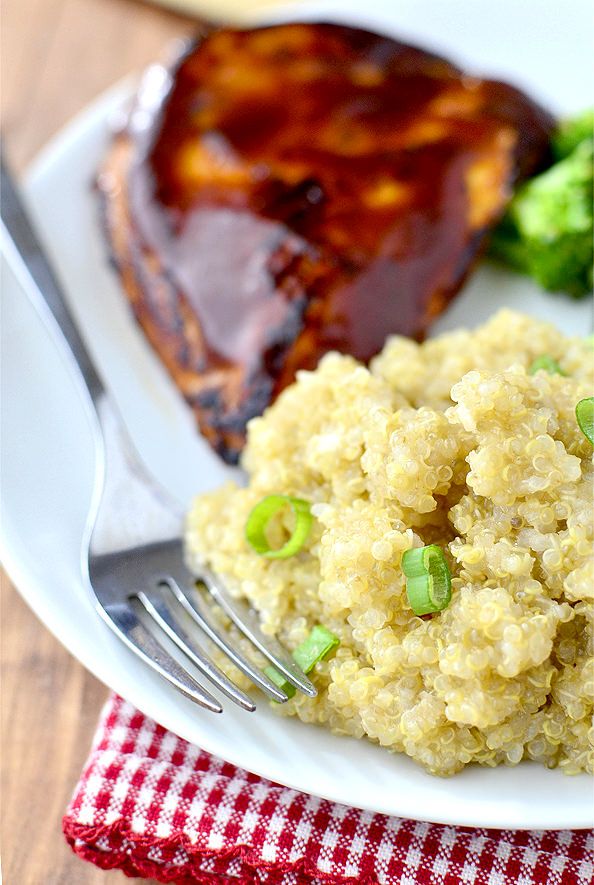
[152, 805]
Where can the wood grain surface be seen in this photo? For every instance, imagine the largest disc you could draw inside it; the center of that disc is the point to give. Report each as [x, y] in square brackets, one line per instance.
[56, 56]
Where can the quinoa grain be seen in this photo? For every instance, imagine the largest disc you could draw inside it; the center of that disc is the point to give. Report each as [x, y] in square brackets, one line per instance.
[448, 442]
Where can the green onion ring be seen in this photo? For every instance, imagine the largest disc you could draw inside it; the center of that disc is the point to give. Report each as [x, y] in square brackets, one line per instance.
[428, 579]
[547, 364]
[263, 512]
[312, 650]
[584, 412]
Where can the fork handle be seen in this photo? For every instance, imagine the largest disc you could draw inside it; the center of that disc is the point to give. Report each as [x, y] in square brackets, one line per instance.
[28, 259]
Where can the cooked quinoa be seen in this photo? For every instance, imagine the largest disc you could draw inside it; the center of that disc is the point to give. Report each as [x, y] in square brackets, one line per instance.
[448, 442]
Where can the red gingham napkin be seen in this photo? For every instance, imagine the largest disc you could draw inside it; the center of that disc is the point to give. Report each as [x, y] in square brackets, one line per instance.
[153, 805]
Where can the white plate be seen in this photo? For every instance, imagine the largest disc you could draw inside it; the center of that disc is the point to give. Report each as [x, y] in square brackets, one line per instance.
[48, 456]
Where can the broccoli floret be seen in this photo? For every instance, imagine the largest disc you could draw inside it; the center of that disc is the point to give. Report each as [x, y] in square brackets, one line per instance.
[547, 230]
[572, 132]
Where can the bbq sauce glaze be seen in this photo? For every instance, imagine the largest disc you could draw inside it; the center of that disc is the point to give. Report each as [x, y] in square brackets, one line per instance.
[317, 187]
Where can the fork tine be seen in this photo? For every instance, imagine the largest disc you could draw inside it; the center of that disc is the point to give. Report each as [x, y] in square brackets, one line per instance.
[243, 618]
[197, 611]
[125, 623]
[161, 613]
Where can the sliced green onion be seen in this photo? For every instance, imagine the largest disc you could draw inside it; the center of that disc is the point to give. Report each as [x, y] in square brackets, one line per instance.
[264, 511]
[312, 650]
[547, 364]
[584, 412]
[428, 579]
[318, 644]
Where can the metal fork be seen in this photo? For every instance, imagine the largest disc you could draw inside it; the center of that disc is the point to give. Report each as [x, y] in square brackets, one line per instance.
[132, 551]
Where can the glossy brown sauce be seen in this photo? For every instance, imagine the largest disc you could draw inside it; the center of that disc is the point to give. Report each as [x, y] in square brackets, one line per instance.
[307, 188]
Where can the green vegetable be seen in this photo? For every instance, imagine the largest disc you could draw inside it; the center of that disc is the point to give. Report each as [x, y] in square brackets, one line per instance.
[572, 132]
[545, 363]
[547, 231]
[315, 648]
[259, 519]
[584, 412]
[428, 579]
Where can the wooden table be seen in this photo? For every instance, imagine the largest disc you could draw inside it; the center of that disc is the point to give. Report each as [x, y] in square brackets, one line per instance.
[56, 56]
